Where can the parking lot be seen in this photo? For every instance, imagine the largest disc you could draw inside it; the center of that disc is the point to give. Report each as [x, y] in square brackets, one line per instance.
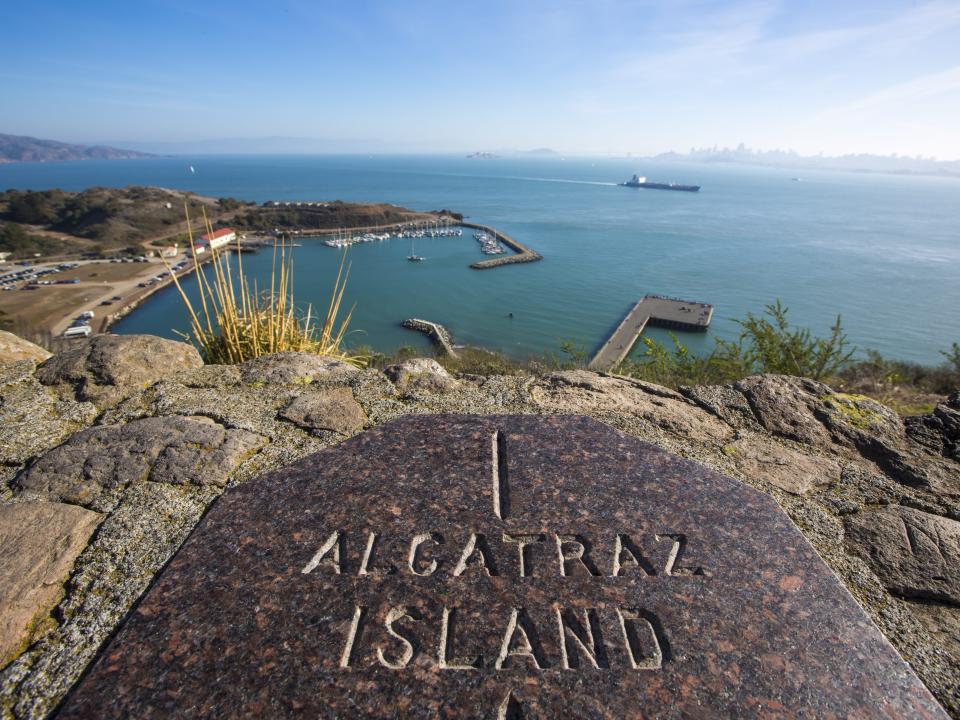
[52, 296]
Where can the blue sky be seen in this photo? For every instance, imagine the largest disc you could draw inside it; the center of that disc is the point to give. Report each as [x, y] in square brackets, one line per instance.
[596, 76]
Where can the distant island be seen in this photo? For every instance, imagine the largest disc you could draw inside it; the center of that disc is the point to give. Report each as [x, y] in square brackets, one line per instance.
[482, 155]
[895, 164]
[20, 148]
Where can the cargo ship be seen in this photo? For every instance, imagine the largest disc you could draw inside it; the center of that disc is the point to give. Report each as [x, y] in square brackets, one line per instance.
[641, 182]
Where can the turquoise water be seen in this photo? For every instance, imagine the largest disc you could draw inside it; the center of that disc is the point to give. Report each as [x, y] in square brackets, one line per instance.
[882, 250]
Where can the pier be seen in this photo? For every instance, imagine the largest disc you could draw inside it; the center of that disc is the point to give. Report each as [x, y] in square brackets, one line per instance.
[438, 333]
[523, 253]
[650, 310]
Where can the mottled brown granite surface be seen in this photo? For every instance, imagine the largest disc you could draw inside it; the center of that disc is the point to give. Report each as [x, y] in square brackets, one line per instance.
[695, 597]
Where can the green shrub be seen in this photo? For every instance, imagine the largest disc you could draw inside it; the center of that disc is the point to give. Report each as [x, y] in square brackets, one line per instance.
[953, 357]
[773, 347]
[767, 344]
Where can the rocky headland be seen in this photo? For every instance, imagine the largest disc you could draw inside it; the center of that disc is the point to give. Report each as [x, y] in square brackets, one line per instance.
[112, 450]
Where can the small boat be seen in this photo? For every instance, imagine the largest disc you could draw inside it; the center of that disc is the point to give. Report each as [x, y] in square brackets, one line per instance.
[413, 257]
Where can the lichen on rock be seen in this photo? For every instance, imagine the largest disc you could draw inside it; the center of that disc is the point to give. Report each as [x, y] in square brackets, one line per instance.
[95, 466]
[292, 368]
[40, 542]
[420, 374]
[32, 418]
[331, 409]
[107, 368]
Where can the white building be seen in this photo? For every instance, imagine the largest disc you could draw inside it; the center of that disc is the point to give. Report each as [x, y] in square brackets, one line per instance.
[219, 238]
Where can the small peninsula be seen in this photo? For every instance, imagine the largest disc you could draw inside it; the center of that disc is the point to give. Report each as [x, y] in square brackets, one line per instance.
[104, 250]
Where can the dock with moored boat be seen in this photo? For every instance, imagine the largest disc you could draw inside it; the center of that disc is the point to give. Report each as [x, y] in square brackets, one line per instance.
[444, 227]
[654, 310]
[523, 254]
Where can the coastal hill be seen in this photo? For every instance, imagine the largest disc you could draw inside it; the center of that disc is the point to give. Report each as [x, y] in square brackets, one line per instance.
[127, 226]
[305, 216]
[97, 220]
[21, 148]
[874, 494]
[103, 221]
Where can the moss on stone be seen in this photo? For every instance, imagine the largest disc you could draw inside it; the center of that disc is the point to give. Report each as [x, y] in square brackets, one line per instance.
[855, 408]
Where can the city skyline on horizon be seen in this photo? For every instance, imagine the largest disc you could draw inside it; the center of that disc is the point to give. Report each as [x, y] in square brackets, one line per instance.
[604, 78]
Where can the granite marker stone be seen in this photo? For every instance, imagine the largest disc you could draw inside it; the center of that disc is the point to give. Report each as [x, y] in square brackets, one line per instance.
[491, 567]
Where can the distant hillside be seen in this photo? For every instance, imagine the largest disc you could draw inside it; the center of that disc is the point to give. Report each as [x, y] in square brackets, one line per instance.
[895, 164]
[97, 220]
[105, 221]
[306, 216]
[20, 148]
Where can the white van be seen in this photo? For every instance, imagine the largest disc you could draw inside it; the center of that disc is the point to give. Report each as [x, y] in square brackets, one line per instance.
[87, 314]
[78, 331]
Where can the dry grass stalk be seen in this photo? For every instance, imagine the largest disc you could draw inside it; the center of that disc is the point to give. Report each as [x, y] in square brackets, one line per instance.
[235, 322]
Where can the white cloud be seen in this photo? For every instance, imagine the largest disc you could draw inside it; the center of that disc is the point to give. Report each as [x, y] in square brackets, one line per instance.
[898, 95]
[738, 42]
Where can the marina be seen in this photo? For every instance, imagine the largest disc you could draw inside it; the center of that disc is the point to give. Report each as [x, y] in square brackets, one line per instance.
[523, 254]
[345, 238]
[664, 312]
[490, 240]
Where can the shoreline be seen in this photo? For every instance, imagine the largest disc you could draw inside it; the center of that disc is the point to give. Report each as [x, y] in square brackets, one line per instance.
[247, 244]
[254, 241]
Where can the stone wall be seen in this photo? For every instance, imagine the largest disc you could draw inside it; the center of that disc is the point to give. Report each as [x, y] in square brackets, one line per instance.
[112, 451]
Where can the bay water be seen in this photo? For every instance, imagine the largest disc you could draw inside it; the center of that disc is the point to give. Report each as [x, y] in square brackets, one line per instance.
[882, 250]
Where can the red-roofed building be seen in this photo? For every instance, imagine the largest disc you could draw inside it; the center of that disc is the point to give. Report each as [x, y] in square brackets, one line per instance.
[217, 239]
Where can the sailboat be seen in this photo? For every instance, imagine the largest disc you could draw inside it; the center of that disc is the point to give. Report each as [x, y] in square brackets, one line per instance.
[413, 257]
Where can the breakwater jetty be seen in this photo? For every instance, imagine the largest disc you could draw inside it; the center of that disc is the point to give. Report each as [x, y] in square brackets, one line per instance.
[654, 310]
[523, 253]
[438, 333]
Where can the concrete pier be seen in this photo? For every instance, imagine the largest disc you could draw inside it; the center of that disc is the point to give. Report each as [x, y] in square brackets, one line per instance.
[650, 310]
[438, 333]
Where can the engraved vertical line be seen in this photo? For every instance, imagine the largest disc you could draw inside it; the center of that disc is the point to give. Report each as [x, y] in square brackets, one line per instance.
[500, 476]
[351, 637]
[371, 539]
[495, 471]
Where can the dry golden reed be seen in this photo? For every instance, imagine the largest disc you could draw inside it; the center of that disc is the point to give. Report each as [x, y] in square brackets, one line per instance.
[236, 322]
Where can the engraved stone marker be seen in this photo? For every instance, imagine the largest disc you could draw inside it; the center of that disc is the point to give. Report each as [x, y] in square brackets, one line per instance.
[497, 567]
